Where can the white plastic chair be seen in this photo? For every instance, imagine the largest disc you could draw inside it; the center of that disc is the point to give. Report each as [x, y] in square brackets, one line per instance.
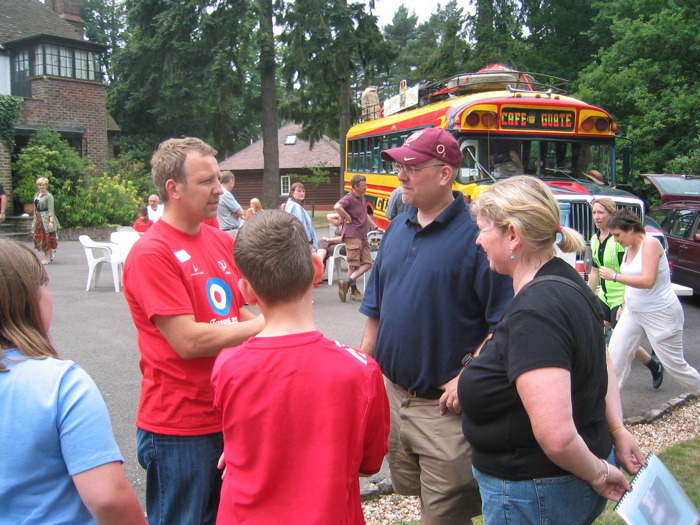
[125, 229]
[97, 254]
[125, 240]
[334, 266]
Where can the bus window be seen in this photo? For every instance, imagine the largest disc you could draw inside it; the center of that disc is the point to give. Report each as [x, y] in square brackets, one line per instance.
[469, 171]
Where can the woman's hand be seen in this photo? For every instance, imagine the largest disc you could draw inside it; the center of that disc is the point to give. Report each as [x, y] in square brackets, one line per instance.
[613, 484]
[627, 452]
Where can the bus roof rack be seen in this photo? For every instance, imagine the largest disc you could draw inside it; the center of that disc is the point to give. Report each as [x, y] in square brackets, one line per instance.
[495, 77]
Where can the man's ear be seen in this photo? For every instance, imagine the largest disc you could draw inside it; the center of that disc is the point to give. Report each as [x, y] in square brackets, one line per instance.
[318, 267]
[446, 176]
[171, 186]
[247, 292]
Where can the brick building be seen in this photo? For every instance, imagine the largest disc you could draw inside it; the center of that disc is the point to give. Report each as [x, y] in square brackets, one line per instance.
[45, 59]
[295, 159]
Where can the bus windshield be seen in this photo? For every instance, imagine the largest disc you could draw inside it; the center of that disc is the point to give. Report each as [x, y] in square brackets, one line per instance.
[497, 157]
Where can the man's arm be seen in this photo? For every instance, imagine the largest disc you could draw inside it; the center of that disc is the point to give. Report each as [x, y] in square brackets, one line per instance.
[369, 338]
[191, 339]
[3, 201]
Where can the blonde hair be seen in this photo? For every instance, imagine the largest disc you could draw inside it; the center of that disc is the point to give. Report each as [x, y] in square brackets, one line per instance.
[255, 202]
[606, 203]
[42, 180]
[21, 322]
[169, 158]
[527, 204]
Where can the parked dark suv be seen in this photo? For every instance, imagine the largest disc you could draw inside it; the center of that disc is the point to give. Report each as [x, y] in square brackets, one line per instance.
[679, 216]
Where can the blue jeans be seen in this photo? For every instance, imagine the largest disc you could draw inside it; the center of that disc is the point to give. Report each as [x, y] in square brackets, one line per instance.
[565, 500]
[183, 484]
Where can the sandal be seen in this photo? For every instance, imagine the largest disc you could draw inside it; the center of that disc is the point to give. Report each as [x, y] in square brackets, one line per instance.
[53, 256]
[44, 261]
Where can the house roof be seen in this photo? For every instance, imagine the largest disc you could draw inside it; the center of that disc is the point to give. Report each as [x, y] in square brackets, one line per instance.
[292, 156]
[25, 18]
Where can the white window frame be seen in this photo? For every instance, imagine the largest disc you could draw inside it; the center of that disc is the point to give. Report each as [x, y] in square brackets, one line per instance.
[285, 184]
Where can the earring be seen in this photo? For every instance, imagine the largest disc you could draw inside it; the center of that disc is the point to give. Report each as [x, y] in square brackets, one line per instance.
[512, 255]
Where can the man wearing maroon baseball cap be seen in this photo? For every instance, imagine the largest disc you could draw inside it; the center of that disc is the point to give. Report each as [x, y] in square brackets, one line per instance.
[430, 301]
[426, 144]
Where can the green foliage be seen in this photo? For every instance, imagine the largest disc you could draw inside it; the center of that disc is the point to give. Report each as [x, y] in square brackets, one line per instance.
[33, 162]
[47, 155]
[80, 199]
[10, 110]
[187, 70]
[132, 169]
[100, 201]
[105, 23]
[328, 45]
[684, 462]
[643, 77]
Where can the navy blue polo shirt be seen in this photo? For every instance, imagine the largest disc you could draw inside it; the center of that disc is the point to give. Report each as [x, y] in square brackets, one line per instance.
[435, 297]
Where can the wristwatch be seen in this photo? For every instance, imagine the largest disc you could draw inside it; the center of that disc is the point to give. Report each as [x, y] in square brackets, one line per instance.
[614, 277]
[467, 359]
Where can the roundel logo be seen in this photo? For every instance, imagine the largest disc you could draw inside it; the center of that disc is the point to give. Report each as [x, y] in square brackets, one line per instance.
[219, 295]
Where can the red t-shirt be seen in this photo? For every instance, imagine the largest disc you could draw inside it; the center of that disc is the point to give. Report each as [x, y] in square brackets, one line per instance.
[140, 226]
[169, 272]
[302, 416]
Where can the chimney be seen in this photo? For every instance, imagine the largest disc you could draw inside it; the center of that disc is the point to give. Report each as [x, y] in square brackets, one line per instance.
[69, 10]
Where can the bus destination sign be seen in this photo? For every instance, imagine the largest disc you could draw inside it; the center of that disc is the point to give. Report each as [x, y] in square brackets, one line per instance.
[537, 119]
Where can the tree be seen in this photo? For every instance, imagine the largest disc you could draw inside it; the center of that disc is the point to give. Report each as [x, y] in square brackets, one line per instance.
[645, 80]
[188, 69]
[558, 43]
[268, 67]
[497, 32]
[452, 53]
[328, 44]
[105, 22]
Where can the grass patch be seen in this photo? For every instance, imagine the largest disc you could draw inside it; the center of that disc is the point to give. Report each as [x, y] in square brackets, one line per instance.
[683, 460]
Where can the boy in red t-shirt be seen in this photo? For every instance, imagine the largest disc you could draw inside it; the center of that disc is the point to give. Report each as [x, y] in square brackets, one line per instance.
[302, 416]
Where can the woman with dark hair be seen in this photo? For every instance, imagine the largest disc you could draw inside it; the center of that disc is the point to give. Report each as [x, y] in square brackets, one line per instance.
[651, 310]
[60, 462]
[142, 224]
[45, 223]
[540, 402]
[295, 206]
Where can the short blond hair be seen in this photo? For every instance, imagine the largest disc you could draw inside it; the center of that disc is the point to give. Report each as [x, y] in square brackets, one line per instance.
[42, 180]
[169, 158]
[527, 204]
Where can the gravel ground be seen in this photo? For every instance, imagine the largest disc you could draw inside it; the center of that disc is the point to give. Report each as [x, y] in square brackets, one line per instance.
[675, 426]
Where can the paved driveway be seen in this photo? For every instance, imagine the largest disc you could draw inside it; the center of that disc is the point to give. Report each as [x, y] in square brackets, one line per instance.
[95, 330]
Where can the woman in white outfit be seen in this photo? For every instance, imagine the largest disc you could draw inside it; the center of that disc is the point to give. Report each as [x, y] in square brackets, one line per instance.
[650, 311]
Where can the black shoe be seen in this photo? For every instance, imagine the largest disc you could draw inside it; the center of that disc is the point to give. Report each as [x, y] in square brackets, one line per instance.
[657, 371]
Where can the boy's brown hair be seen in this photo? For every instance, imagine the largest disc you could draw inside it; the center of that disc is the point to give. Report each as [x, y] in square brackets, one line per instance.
[272, 252]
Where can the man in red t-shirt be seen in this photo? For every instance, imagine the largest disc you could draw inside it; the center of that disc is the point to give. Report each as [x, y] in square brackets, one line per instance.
[289, 460]
[353, 210]
[182, 288]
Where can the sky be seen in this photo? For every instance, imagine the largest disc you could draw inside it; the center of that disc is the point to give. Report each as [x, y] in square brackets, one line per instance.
[385, 9]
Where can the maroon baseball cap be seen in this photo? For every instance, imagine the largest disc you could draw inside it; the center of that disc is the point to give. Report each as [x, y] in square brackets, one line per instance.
[426, 144]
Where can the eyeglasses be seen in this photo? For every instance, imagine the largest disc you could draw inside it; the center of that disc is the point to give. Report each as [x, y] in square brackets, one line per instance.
[411, 170]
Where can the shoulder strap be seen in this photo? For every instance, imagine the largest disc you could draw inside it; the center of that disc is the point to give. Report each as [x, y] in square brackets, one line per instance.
[573, 285]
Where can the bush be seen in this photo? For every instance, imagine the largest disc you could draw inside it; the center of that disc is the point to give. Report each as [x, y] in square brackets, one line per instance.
[80, 199]
[100, 201]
